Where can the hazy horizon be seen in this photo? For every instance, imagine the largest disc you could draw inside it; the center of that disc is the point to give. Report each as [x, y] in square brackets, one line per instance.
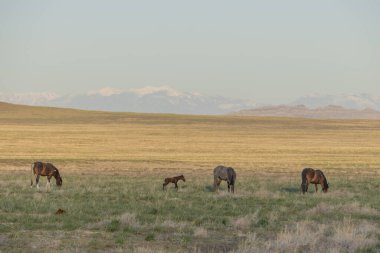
[270, 52]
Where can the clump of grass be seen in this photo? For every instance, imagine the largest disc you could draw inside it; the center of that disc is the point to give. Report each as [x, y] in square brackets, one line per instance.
[149, 250]
[200, 232]
[113, 226]
[178, 225]
[150, 237]
[129, 219]
[246, 222]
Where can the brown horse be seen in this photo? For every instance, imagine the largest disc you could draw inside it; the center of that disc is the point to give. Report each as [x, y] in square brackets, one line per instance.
[311, 176]
[173, 180]
[45, 169]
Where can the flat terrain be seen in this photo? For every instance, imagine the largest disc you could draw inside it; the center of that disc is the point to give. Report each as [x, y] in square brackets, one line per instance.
[113, 165]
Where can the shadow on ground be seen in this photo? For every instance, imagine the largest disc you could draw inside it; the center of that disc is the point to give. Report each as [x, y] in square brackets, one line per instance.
[290, 189]
[209, 188]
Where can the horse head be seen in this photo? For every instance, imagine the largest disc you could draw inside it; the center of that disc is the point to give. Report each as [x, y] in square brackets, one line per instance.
[325, 186]
[58, 179]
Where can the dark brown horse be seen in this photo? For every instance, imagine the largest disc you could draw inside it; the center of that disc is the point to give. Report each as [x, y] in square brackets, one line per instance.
[173, 180]
[45, 169]
[311, 176]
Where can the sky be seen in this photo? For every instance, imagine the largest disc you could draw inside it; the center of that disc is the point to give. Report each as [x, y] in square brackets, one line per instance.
[268, 51]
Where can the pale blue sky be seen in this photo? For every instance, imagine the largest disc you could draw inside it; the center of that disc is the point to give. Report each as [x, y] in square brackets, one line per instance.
[269, 51]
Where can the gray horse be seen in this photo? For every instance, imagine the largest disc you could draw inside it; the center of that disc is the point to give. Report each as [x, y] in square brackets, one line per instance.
[224, 173]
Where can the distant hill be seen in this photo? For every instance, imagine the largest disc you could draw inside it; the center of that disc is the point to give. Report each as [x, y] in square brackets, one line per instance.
[350, 101]
[301, 111]
[40, 115]
[13, 113]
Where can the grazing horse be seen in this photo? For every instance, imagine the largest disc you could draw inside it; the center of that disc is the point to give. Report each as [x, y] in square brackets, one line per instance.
[224, 173]
[311, 176]
[45, 169]
[173, 180]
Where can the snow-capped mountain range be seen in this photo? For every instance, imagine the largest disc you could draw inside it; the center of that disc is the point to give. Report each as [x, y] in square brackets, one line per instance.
[149, 99]
[165, 99]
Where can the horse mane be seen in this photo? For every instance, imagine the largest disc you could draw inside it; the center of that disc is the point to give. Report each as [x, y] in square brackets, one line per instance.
[56, 171]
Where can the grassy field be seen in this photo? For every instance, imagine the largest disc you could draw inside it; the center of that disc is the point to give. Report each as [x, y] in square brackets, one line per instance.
[113, 165]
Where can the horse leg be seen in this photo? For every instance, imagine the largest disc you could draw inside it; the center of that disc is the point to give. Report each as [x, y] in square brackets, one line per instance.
[34, 179]
[316, 187]
[176, 186]
[233, 188]
[48, 183]
[216, 183]
[38, 181]
[163, 185]
[228, 184]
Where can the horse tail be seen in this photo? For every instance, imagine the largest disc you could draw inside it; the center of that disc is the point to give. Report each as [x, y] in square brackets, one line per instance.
[304, 181]
[233, 178]
[231, 174]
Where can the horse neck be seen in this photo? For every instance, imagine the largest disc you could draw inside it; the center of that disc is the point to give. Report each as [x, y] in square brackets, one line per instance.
[56, 175]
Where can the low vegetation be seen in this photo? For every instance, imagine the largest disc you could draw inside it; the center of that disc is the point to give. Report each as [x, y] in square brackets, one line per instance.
[127, 212]
[113, 166]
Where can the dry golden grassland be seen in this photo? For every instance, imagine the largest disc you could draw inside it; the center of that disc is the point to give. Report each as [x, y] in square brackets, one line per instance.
[113, 165]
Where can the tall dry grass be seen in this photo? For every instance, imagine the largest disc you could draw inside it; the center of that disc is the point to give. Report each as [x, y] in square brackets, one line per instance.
[306, 236]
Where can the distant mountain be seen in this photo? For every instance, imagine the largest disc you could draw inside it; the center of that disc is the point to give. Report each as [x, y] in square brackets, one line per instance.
[148, 99]
[358, 102]
[32, 98]
[301, 111]
[164, 99]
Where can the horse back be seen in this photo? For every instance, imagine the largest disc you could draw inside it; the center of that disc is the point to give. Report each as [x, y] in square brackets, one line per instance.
[220, 172]
[224, 173]
[313, 176]
[44, 169]
[168, 180]
[320, 175]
